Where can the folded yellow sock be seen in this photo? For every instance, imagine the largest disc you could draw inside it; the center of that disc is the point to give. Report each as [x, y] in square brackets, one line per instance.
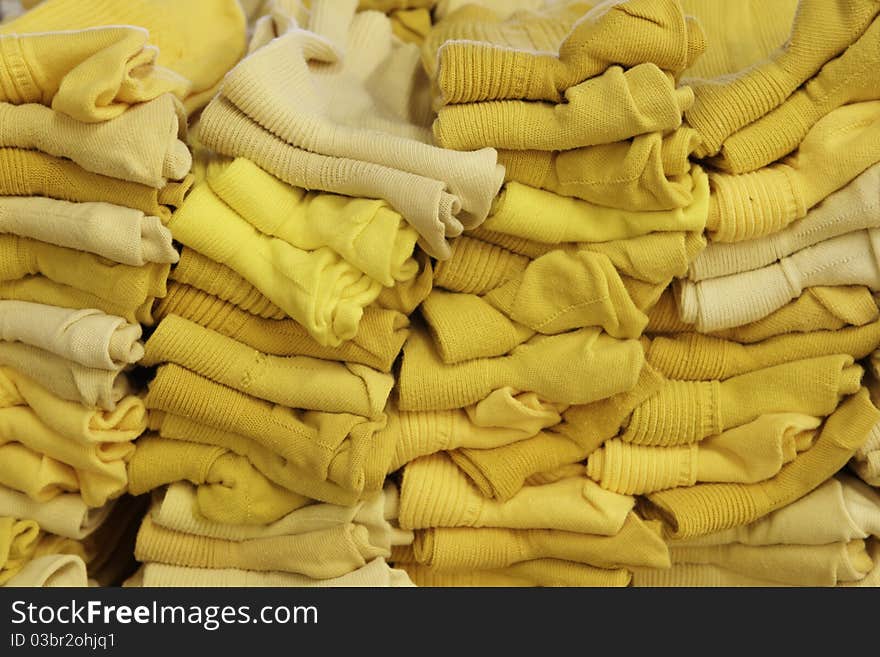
[737, 299]
[294, 381]
[840, 510]
[841, 145]
[31, 173]
[21, 257]
[39, 289]
[551, 366]
[367, 233]
[340, 447]
[478, 57]
[746, 454]
[202, 56]
[708, 508]
[684, 412]
[229, 489]
[342, 550]
[380, 337]
[435, 493]
[176, 509]
[697, 357]
[850, 78]
[502, 418]
[794, 565]
[821, 30]
[265, 459]
[91, 75]
[502, 471]
[99, 468]
[651, 172]
[534, 214]
[142, 145]
[851, 208]
[119, 234]
[317, 288]
[614, 106]
[638, 543]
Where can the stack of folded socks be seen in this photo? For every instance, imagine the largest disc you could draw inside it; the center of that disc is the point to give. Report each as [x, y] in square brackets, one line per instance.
[271, 419]
[765, 400]
[92, 163]
[526, 357]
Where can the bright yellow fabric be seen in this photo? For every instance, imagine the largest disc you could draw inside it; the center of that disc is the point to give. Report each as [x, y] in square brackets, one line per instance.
[317, 288]
[533, 214]
[367, 233]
